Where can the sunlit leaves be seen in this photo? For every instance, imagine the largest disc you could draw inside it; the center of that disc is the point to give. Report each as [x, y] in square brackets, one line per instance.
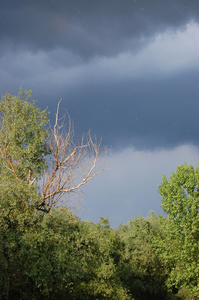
[180, 200]
[23, 134]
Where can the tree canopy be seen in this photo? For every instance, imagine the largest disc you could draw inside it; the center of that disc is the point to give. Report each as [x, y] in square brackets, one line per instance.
[180, 244]
[23, 135]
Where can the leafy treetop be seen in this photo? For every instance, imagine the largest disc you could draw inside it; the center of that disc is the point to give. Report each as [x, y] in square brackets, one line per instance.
[23, 134]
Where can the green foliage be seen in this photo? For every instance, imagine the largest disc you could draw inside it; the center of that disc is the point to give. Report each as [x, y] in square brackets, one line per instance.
[104, 279]
[143, 270]
[59, 256]
[23, 151]
[184, 294]
[179, 246]
[22, 137]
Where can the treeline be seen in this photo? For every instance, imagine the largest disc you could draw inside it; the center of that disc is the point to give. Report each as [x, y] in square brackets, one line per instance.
[59, 256]
[47, 252]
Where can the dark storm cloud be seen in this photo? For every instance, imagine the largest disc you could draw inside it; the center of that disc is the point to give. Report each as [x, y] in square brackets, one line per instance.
[146, 114]
[144, 100]
[148, 98]
[89, 28]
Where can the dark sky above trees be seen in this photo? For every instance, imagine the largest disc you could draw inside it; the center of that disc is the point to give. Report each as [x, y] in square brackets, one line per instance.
[126, 69]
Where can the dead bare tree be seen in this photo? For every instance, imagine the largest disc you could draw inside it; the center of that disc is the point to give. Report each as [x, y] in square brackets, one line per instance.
[71, 166]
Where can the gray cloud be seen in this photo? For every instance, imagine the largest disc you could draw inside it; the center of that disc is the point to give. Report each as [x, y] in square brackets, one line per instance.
[90, 28]
[146, 98]
[161, 113]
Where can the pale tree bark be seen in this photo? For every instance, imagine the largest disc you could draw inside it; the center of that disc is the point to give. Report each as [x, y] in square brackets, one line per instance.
[70, 166]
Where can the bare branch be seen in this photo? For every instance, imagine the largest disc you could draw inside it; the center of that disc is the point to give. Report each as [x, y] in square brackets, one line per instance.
[71, 166]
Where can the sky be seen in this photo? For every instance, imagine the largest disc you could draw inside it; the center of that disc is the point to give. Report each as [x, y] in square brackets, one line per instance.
[128, 70]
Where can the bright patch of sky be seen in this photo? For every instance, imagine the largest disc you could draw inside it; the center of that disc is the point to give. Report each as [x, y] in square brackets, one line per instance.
[129, 186]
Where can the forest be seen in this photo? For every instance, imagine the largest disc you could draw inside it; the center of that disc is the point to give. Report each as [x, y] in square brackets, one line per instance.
[48, 252]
